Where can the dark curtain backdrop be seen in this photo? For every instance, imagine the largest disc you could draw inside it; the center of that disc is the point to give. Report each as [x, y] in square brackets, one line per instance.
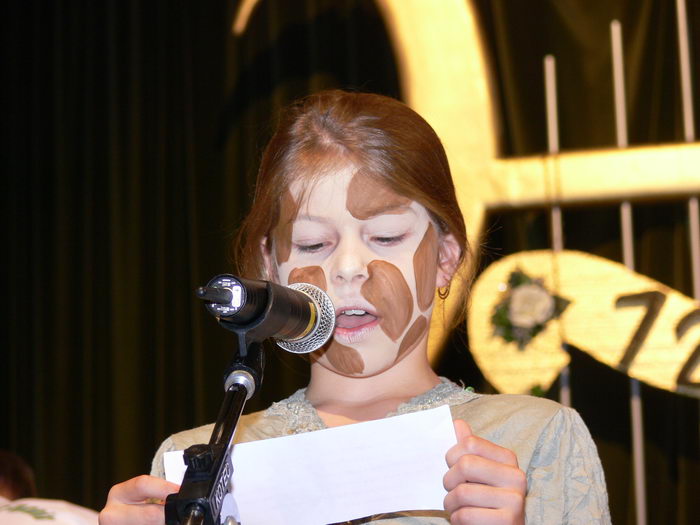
[131, 135]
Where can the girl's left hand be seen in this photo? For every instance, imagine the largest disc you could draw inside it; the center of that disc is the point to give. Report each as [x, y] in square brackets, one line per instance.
[484, 483]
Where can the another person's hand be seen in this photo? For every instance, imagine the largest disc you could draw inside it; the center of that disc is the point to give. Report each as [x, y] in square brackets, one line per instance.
[484, 483]
[138, 501]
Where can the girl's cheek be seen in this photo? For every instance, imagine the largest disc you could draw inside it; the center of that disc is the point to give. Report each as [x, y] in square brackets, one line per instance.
[425, 262]
[387, 290]
[309, 274]
[418, 329]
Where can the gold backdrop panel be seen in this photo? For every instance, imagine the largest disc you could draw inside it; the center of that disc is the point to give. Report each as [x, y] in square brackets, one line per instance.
[621, 318]
[445, 77]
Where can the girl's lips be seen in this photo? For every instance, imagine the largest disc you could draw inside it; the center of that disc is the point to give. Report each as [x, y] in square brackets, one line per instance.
[352, 327]
[351, 321]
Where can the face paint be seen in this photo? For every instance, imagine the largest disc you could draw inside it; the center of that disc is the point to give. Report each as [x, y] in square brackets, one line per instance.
[367, 198]
[413, 336]
[388, 291]
[345, 359]
[425, 263]
[282, 232]
[310, 275]
[374, 269]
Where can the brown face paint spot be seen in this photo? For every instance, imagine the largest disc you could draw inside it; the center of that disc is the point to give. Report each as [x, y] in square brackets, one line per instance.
[425, 262]
[282, 232]
[368, 197]
[310, 275]
[388, 292]
[345, 359]
[413, 336]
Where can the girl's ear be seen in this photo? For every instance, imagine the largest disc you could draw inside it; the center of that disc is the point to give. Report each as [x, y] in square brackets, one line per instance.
[449, 254]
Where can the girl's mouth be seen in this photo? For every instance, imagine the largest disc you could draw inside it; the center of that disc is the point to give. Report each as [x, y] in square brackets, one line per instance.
[353, 324]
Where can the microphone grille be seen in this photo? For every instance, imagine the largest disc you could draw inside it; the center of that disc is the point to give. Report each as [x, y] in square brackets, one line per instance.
[325, 321]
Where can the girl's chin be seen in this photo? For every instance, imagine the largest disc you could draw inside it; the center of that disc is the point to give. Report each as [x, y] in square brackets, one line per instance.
[372, 372]
[376, 360]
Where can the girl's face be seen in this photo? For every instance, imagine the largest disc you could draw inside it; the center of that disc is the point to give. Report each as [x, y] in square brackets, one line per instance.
[376, 254]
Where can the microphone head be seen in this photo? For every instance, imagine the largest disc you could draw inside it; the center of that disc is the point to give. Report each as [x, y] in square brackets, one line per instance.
[323, 327]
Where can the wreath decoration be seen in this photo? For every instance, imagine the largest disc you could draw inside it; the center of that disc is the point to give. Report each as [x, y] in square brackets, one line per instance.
[525, 309]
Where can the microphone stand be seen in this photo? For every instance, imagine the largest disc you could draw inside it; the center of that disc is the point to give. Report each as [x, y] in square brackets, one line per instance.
[209, 467]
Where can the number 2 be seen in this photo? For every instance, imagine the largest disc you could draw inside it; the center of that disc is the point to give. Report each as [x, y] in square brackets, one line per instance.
[690, 319]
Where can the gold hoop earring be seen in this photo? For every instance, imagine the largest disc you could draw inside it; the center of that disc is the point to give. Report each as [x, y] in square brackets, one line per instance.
[444, 291]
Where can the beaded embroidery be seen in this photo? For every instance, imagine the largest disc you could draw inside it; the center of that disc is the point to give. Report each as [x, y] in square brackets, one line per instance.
[300, 416]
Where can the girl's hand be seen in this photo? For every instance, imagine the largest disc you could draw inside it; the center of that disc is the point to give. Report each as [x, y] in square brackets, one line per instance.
[138, 501]
[484, 484]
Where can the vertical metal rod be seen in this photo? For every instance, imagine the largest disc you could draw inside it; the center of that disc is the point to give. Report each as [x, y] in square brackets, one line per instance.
[627, 234]
[619, 85]
[550, 86]
[636, 412]
[689, 134]
[550, 89]
[694, 234]
[557, 226]
[686, 80]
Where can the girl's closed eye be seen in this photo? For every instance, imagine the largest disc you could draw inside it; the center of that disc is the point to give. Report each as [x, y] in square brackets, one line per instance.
[312, 247]
[389, 240]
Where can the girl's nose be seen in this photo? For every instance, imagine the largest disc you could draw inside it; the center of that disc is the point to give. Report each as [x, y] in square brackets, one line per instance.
[350, 262]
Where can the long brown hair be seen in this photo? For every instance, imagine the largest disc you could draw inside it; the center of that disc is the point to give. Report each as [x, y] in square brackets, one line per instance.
[377, 134]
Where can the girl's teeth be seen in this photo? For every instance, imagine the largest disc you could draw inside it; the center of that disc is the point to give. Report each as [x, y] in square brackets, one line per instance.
[354, 312]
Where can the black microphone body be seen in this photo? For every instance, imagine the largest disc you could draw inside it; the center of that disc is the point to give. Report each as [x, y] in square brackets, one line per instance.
[301, 317]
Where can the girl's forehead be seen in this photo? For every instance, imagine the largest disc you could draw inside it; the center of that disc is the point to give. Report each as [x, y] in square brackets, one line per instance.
[348, 188]
[323, 185]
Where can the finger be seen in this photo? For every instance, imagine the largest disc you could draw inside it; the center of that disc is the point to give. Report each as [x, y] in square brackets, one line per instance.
[476, 469]
[472, 515]
[478, 495]
[477, 446]
[141, 488]
[462, 429]
[122, 514]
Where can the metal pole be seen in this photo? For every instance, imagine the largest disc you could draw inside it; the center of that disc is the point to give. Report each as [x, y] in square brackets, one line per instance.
[689, 134]
[686, 80]
[694, 239]
[636, 413]
[550, 83]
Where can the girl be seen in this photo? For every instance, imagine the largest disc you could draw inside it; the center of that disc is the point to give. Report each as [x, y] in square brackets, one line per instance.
[355, 196]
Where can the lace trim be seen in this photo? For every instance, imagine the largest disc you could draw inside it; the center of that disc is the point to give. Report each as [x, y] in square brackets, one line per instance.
[300, 416]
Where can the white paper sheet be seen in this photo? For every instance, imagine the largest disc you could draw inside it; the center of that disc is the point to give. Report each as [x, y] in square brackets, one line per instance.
[340, 473]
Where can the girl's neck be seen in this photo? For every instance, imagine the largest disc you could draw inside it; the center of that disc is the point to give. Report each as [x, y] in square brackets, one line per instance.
[342, 400]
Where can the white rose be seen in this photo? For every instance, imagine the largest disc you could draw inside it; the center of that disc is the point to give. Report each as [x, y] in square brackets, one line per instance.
[530, 305]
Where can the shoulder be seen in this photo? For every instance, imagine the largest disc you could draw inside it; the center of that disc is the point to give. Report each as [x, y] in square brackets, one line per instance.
[516, 422]
[251, 427]
[489, 412]
[182, 440]
[565, 479]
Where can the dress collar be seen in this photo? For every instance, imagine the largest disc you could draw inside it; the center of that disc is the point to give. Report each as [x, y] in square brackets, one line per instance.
[300, 416]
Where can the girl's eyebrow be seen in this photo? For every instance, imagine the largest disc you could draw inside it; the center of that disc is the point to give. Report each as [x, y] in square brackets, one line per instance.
[390, 209]
[312, 218]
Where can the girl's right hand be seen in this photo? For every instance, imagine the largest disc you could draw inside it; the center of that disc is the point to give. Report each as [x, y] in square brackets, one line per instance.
[137, 501]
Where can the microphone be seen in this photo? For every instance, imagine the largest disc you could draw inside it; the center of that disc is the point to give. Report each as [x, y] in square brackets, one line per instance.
[300, 317]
